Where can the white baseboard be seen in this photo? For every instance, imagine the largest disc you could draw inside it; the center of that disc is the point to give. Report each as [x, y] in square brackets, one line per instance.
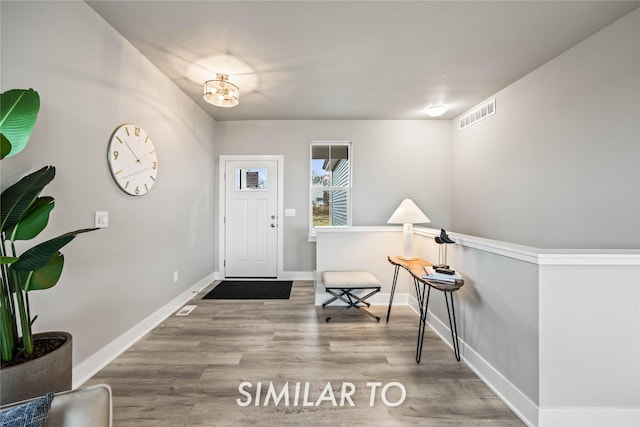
[89, 367]
[286, 275]
[297, 275]
[519, 403]
[601, 417]
[381, 298]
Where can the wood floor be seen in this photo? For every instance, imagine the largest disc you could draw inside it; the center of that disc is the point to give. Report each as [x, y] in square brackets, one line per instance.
[189, 371]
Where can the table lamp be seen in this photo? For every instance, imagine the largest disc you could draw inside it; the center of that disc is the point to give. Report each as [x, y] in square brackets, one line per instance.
[408, 214]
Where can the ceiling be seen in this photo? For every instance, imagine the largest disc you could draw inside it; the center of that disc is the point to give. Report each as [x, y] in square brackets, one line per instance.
[353, 59]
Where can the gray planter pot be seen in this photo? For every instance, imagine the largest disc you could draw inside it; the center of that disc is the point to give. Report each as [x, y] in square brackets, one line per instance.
[51, 372]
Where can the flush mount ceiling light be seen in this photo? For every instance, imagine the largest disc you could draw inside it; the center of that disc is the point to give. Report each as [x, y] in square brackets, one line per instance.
[221, 92]
[436, 110]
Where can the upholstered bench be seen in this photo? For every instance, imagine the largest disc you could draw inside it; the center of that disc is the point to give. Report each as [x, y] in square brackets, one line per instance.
[343, 285]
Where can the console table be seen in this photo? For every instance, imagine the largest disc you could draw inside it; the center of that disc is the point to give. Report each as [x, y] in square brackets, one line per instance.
[415, 267]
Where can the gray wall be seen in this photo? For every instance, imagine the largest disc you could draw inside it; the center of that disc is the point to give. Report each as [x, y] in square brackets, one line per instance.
[90, 81]
[392, 159]
[558, 165]
[497, 311]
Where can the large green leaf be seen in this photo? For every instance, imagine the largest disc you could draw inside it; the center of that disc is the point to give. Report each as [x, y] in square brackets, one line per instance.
[16, 199]
[18, 113]
[8, 259]
[34, 220]
[39, 255]
[5, 146]
[46, 276]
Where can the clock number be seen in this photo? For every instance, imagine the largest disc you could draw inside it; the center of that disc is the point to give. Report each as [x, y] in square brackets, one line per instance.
[134, 164]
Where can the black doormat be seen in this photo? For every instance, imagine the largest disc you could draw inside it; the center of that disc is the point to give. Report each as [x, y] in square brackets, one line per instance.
[251, 289]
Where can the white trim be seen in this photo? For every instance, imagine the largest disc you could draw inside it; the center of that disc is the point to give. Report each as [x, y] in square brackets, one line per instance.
[380, 299]
[90, 366]
[629, 257]
[519, 403]
[222, 205]
[618, 417]
[349, 189]
[286, 275]
[297, 275]
[538, 256]
[510, 250]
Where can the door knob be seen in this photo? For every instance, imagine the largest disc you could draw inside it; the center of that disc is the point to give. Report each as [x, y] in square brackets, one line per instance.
[273, 226]
[273, 217]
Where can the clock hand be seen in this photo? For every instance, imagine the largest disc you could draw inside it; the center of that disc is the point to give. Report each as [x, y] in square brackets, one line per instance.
[135, 173]
[134, 154]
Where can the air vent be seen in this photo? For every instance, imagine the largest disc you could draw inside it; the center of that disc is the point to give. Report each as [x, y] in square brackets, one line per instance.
[482, 112]
[186, 310]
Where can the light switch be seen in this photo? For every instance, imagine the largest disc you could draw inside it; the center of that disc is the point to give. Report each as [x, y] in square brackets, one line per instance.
[289, 212]
[102, 219]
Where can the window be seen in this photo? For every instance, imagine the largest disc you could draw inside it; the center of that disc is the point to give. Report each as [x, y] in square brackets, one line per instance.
[330, 193]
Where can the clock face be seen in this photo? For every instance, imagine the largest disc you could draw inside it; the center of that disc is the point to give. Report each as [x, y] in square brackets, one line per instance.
[132, 159]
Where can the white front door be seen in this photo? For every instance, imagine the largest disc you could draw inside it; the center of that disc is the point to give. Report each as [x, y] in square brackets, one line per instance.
[251, 218]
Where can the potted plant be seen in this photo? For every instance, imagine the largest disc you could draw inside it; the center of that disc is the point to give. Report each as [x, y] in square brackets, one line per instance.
[31, 363]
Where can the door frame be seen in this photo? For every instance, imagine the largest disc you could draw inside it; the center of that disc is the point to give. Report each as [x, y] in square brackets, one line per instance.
[222, 201]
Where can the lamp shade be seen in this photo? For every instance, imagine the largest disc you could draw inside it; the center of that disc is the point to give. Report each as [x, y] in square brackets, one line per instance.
[408, 213]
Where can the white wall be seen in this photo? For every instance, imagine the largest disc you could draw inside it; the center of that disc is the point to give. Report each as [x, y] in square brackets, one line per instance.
[562, 153]
[362, 249]
[90, 81]
[392, 159]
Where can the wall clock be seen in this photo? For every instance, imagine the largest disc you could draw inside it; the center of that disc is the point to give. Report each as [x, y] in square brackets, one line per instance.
[132, 159]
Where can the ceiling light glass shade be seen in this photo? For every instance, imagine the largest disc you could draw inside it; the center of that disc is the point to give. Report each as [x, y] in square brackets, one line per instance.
[221, 92]
[436, 110]
[408, 213]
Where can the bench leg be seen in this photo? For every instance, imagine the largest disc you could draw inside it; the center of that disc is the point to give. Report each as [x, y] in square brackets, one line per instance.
[335, 297]
[352, 301]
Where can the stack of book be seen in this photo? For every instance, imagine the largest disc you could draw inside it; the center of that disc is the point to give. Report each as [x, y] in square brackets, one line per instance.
[445, 278]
